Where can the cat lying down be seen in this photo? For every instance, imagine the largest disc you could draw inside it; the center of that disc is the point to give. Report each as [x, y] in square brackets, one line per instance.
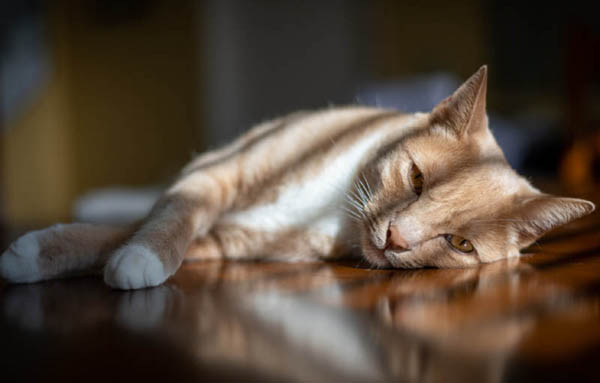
[400, 190]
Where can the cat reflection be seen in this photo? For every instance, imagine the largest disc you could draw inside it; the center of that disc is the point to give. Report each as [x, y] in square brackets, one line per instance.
[292, 322]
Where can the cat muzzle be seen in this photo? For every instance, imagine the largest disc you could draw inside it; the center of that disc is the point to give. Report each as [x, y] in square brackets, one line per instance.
[395, 241]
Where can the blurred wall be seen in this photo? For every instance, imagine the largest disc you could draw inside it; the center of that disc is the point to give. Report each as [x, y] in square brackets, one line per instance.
[414, 37]
[137, 85]
[133, 81]
[264, 58]
[118, 108]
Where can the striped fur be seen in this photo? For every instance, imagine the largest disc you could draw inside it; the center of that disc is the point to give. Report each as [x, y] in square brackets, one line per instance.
[320, 185]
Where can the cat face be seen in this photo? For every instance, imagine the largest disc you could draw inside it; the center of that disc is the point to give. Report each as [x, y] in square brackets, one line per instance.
[444, 195]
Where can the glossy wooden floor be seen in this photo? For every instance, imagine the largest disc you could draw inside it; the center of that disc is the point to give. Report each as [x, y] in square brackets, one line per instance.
[533, 320]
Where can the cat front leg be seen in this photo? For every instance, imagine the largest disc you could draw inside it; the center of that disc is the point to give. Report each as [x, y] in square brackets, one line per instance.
[60, 251]
[157, 249]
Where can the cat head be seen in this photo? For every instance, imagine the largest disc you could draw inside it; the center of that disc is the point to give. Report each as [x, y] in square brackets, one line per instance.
[443, 195]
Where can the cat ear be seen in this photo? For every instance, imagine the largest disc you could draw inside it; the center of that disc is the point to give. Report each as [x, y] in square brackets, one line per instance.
[542, 213]
[464, 111]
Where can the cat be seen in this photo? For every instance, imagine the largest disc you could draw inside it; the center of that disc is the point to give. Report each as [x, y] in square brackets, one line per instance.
[401, 190]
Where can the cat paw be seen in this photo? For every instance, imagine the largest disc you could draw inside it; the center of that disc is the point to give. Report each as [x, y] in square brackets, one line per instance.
[19, 263]
[134, 267]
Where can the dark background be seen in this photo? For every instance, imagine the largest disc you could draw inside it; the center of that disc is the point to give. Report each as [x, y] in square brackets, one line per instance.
[122, 92]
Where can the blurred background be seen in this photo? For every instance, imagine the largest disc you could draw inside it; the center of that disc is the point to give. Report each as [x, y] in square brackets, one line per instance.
[103, 101]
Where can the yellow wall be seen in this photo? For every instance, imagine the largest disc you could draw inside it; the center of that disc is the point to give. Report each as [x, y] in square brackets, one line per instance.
[118, 109]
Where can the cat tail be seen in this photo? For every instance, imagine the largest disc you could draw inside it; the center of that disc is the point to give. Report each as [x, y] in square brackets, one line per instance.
[61, 251]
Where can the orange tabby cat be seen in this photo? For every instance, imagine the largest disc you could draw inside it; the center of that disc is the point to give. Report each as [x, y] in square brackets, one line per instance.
[406, 190]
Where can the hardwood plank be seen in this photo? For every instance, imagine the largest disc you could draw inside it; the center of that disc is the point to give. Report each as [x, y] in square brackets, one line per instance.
[519, 320]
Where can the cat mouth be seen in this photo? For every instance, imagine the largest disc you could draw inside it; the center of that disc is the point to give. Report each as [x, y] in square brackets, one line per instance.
[377, 258]
[386, 257]
[391, 252]
[391, 249]
[373, 254]
[379, 250]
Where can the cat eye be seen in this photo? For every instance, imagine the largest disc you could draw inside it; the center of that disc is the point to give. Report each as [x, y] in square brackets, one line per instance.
[459, 243]
[416, 179]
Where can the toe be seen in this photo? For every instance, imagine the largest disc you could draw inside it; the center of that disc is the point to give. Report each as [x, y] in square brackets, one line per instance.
[134, 267]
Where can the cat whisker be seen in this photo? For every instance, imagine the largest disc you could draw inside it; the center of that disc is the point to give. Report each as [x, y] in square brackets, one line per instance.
[362, 189]
[363, 200]
[365, 185]
[361, 194]
[358, 208]
[356, 202]
[351, 194]
[370, 220]
[352, 214]
[368, 187]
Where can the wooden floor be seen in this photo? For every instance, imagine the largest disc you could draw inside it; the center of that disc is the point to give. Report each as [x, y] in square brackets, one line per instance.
[533, 320]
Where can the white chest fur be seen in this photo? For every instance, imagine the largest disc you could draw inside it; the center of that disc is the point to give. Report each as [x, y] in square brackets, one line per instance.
[314, 201]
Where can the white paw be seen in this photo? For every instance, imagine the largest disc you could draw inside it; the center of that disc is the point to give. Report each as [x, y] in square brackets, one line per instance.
[134, 267]
[19, 263]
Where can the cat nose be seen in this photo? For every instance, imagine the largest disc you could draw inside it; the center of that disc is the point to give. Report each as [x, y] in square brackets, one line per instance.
[395, 239]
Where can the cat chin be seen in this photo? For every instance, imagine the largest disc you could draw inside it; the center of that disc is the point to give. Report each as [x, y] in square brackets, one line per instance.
[377, 260]
[374, 256]
[370, 252]
[387, 258]
[402, 260]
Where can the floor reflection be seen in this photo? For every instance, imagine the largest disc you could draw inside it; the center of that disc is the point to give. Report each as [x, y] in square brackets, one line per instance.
[316, 321]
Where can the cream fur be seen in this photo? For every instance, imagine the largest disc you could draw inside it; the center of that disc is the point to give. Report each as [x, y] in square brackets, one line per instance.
[312, 201]
[319, 185]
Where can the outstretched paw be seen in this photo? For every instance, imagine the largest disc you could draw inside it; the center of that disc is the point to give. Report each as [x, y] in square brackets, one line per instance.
[19, 263]
[134, 267]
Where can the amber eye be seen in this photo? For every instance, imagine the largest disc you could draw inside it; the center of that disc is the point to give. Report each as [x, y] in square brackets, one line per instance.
[416, 179]
[459, 243]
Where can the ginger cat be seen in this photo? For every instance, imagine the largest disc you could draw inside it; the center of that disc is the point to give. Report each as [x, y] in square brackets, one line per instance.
[402, 190]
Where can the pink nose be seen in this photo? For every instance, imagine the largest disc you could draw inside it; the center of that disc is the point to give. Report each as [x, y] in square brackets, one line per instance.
[395, 241]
